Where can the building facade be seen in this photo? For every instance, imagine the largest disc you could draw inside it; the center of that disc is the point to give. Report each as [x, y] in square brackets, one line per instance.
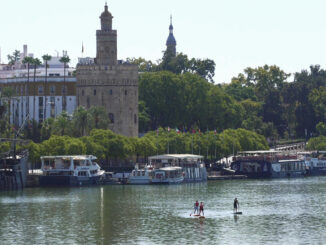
[38, 97]
[108, 82]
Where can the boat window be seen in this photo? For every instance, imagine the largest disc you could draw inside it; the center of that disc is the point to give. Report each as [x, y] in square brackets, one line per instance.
[82, 173]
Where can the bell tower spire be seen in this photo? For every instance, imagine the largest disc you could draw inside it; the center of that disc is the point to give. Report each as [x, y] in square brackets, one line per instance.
[171, 42]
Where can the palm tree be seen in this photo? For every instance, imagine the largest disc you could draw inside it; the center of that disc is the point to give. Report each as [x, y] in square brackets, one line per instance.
[36, 63]
[7, 95]
[62, 124]
[46, 58]
[81, 121]
[27, 60]
[99, 116]
[65, 60]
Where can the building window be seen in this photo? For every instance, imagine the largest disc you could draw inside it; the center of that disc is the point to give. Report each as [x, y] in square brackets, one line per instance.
[64, 89]
[111, 92]
[94, 91]
[52, 90]
[111, 117]
[83, 92]
[40, 90]
[21, 90]
[17, 90]
[135, 119]
[126, 92]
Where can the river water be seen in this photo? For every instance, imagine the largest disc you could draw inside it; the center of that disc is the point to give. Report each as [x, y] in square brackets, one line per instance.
[274, 212]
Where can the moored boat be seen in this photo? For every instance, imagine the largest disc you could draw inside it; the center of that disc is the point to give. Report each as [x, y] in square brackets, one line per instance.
[168, 175]
[192, 165]
[315, 162]
[268, 164]
[75, 170]
[141, 176]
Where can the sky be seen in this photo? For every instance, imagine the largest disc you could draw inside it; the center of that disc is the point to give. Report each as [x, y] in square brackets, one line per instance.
[236, 34]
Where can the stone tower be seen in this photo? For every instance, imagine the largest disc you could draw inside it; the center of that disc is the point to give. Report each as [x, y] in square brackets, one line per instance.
[171, 42]
[110, 83]
[106, 40]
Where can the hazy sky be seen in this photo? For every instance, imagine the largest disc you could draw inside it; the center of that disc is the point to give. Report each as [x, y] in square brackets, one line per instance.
[234, 33]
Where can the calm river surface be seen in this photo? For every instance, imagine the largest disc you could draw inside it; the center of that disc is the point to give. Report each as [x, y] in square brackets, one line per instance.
[274, 212]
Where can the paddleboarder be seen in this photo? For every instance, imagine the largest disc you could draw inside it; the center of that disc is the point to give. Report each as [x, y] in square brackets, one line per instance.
[236, 205]
[201, 208]
[196, 205]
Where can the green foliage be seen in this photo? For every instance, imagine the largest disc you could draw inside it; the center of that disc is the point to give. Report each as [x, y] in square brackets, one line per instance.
[321, 128]
[317, 143]
[186, 100]
[12, 59]
[106, 145]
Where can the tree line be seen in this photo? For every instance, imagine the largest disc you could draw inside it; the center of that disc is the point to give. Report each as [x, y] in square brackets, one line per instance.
[264, 99]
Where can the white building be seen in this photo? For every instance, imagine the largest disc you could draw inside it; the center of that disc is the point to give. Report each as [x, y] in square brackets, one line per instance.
[41, 96]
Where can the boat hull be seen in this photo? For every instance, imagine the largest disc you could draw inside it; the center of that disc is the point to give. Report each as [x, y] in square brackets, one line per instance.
[139, 181]
[169, 181]
[69, 180]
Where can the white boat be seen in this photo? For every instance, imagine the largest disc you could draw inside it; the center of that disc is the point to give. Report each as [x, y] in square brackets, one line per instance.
[168, 175]
[141, 176]
[70, 170]
[315, 162]
[192, 166]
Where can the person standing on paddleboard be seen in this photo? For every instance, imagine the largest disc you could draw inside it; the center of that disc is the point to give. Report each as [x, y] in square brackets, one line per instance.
[201, 208]
[196, 205]
[236, 205]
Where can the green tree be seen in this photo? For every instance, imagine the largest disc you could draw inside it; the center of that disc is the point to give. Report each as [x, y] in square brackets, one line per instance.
[99, 117]
[62, 124]
[81, 121]
[12, 59]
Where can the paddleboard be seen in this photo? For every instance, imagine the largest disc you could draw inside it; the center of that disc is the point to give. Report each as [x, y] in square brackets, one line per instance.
[196, 215]
[238, 213]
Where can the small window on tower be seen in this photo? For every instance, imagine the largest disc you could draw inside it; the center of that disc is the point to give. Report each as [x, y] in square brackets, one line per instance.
[111, 92]
[83, 92]
[94, 91]
[126, 92]
[111, 117]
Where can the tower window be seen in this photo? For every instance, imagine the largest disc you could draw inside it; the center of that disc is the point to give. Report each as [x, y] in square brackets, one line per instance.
[83, 92]
[111, 92]
[94, 91]
[135, 119]
[126, 92]
[111, 117]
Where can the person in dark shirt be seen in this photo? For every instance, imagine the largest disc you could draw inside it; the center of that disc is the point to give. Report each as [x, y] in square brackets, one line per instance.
[235, 205]
[201, 208]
